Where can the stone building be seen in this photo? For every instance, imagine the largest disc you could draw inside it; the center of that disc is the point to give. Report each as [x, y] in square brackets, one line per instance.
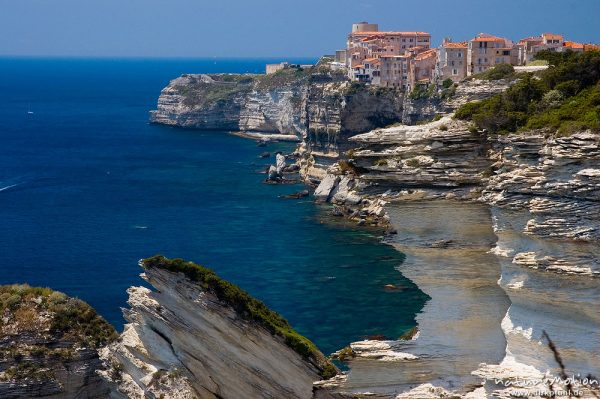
[527, 48]
[394, 71]
[451, 61]
[421, 68]
[486, 51]
[366, 42]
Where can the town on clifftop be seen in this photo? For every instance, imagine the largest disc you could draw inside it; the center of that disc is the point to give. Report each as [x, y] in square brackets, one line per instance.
[406, 60]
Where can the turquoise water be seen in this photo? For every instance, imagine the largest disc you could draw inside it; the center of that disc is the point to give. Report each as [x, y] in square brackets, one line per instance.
[88, 187]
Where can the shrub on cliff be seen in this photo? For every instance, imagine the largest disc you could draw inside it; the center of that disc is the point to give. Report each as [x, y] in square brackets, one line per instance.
[564, 99]
[33, 309]
[500, 71]
[282, 78]
[245, 305]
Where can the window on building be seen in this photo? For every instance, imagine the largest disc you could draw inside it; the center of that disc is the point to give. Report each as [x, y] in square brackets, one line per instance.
[455, 72]
[459, 54]
[411, 40]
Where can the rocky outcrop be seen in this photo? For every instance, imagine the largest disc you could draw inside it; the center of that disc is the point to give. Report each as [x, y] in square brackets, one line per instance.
[196, 336]
[525, 236]
[449, 100]
[210, 102]
[319, 107]
[316, 105]
[48, 345]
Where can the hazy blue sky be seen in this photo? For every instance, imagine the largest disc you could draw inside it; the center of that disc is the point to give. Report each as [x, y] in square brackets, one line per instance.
[246, 28]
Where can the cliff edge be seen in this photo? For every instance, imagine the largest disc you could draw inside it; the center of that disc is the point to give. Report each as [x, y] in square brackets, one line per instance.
[197, 336]
[48, 345]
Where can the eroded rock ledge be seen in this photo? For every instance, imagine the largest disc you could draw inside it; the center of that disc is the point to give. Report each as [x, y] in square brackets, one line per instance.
[48, 345]
[542, 197]
[197, 336]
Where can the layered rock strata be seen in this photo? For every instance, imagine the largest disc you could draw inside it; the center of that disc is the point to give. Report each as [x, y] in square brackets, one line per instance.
[48, 345]
[193, 337]
[539, 194]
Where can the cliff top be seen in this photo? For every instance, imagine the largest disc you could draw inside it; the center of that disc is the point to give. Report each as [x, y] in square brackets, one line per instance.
[246, 306]
[42, 311]
[40, 328]
[563, 99]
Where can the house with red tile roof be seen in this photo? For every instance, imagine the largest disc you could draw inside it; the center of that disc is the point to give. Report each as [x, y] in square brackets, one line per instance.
[421, 68]
[367, 42]
[486, 51]
[577, 47]
[527, 48]
[451, 61]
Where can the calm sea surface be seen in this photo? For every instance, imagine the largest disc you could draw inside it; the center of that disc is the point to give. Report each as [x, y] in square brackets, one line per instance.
[88, 187]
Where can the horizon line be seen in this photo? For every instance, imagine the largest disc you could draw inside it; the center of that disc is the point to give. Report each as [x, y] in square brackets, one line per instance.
[167, 57]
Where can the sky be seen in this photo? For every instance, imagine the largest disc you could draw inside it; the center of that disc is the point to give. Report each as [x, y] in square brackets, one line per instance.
[266, 28]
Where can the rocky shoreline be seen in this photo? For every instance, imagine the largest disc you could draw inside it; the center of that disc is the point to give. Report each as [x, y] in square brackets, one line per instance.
[501, 231]
[536, 196]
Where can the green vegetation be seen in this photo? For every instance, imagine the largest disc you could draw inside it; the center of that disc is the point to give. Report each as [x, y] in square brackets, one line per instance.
[54, 325]
[423, 91]
[348, 167]
[344, 354]
[443, 128]
[500, 71]
[245, 305]
[282, 78]
[563, 99]
[413, 162]
[70, 318]
[409, 334]
[356, 87]
[27, 370]
[538, 63]
[432, 91]
[200, 94]
[380, 162]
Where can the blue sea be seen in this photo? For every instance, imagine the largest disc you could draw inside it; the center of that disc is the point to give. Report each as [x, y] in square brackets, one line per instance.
[88, 187]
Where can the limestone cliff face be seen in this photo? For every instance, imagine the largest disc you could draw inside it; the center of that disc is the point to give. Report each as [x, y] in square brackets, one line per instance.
[530, 218]
[48, 345]
[317, 104]
[209, 102]
[423, 109]
[184, 340]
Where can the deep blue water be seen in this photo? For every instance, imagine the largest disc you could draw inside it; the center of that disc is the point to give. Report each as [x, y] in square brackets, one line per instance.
[88, 187]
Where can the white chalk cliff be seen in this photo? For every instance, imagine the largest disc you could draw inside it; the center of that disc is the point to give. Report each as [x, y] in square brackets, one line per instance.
[183, 341]
[502, 232]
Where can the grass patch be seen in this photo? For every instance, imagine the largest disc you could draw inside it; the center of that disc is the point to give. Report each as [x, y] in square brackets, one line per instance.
[538, 63]
[70, 318]
[245, 305]
[282, 78]
[500, 71]
[423, 91]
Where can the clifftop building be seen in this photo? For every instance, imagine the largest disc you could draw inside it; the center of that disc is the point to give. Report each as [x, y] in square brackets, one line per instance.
[366, 44]
[486, 51]
[404, 60]
[452, 60]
